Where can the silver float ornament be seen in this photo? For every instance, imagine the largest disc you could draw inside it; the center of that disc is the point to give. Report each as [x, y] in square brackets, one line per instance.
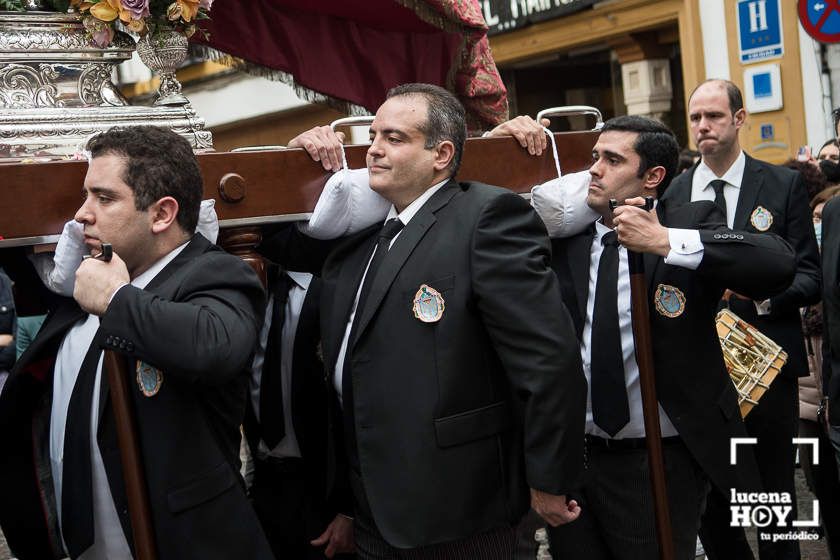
[163, 52]
[56, 89]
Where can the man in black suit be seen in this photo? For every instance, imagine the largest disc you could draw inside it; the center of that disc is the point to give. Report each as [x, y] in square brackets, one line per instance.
[757, 197]
[287, 427]
[185, 316]
[446, 340]
[831, 318]
[690, 257]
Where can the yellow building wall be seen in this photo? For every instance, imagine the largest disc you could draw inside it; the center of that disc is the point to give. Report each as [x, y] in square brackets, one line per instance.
[789, 121]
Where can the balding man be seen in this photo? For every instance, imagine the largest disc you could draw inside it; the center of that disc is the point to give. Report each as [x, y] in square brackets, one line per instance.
[756, 197]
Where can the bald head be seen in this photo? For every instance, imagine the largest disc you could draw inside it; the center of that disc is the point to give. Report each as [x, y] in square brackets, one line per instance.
[733, 94]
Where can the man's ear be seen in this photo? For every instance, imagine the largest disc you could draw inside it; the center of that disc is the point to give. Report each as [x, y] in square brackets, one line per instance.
[164, 214]
[444, 152]
[652, 178]
[740, 117]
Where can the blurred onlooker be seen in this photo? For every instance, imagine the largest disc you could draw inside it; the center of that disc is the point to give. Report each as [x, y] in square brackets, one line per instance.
[7, 328]
[688, 158]
[822, 477]
[828, 158]
[829, 151]
[817, 204]
[812, 178]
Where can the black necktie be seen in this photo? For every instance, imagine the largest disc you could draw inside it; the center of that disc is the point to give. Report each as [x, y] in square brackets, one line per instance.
[610, 409]
[77, 482]
[720, 200]
[272, 420]
[391, 228]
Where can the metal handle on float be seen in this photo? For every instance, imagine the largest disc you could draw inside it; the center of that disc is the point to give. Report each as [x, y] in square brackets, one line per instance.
[258, 148]
[352, 121]
[570, 110]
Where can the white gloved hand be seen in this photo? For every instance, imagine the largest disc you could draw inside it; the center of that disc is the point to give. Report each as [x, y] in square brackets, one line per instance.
[58, 271]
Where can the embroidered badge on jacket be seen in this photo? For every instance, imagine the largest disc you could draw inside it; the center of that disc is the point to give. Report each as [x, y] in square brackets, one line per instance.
[761, 218]
[669, 300]
[428, 304]
[149, 379]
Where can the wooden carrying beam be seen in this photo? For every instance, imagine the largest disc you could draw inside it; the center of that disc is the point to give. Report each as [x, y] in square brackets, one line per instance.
[253, 188]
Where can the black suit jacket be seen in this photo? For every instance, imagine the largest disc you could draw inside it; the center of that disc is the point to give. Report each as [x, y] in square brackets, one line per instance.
[197, 322]
[443, 410]
[691, 380]
[831, 307]
[779, 190]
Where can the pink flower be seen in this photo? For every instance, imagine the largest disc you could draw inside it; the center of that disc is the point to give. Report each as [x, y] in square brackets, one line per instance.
[205, 4]
[103, 36]
[101, 32]
[137, 8]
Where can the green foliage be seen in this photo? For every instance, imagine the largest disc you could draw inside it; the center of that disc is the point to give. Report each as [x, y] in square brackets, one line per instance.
[12, 5]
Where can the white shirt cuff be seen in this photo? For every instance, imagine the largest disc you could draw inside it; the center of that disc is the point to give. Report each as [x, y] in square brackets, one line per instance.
[686, 248]
[762, 307]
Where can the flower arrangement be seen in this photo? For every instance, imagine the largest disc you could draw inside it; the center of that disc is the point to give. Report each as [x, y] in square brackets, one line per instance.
[140, 16]
[102, 17]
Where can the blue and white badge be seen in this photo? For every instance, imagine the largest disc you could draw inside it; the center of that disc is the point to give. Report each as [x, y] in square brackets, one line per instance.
[761, 218]
[670, 301]
[149, 379]
[428, 304]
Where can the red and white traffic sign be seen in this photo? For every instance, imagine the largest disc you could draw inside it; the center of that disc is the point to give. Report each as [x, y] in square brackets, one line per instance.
[821, 19]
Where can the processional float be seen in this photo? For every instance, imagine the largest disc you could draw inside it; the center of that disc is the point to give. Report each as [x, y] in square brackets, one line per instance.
[56, 91]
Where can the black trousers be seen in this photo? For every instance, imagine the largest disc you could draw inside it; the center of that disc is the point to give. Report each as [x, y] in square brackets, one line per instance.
[774, 422]
[617, 517]
[291, 513]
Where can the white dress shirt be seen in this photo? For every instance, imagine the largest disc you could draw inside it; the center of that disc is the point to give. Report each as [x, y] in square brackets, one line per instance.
[405, 217]
[109, 540]
[702, 190]
[288, 446]
[635, 428]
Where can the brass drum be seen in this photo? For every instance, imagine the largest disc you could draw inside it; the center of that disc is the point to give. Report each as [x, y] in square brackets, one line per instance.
[752, 360]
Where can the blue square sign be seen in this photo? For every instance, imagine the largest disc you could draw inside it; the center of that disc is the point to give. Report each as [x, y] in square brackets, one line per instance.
[762, 86]
[759, 30]
[767, 132]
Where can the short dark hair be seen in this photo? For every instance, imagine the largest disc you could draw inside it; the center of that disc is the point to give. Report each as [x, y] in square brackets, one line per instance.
[445, 120]
[736, 99]
[655, 144]
[159, 163]
[830, 142]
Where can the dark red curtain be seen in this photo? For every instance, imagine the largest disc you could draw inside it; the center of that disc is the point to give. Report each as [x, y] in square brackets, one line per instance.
[355, 50]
